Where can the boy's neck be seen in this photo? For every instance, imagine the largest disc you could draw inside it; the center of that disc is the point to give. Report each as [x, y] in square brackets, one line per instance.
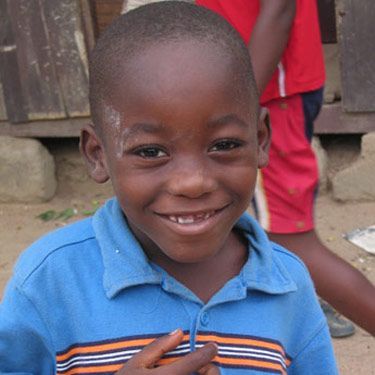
[206, 278]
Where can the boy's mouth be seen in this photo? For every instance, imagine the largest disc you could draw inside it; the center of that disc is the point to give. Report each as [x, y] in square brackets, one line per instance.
[190, 218]
[193, 223]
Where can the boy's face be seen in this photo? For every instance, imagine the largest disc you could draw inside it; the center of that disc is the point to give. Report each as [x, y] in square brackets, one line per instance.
[182, 147]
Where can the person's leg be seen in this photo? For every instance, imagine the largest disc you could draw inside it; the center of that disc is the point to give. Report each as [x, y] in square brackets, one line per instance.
[285, 191]
[336, 281]
[284, 202]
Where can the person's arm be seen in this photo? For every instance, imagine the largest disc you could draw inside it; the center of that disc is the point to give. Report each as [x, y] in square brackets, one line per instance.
[269, 38]
[25, 343]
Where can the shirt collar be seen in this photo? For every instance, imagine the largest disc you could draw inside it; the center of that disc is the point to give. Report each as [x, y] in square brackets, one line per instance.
[126, 265]
[263, 271]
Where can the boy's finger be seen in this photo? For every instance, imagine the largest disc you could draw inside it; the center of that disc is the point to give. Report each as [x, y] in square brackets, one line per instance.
[210, 369]
[150, 354]
[194, 361]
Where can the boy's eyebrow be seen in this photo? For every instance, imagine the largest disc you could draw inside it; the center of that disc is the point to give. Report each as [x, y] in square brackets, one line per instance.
[143, 127]
[231, 118]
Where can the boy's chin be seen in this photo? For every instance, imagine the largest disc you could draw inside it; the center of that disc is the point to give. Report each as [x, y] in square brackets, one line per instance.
[193, 253]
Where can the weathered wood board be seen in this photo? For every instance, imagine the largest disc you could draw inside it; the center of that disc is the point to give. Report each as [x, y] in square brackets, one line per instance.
[9, 77]
[87, 16]
[332, 120]
[40, 86]
[68, 48]
[47, 128]
[43, 56]
[104, 12]
[3, 27]
[327, 20]
[357, 46]
[3, 112]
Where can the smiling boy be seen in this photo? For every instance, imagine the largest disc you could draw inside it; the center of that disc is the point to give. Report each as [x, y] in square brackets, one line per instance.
[178, 131]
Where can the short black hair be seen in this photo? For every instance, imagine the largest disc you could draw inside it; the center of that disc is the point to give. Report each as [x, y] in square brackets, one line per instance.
[156, 23]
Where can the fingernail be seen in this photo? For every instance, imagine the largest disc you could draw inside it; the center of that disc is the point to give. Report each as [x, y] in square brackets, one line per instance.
[174, 332]
[216, 347]
[214, 344]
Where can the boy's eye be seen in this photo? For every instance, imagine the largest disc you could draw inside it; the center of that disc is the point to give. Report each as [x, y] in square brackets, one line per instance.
[150, 152]
[225, 145]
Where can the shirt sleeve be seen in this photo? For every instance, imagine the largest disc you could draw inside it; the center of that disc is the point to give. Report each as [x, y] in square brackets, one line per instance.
[25, 343]
[317, 357]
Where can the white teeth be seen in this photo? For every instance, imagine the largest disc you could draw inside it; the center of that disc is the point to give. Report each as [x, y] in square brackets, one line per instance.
[185, 220]
[191, 218]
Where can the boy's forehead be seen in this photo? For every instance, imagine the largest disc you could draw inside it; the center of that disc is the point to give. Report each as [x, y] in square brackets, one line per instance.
[182, 57]
[176, 65]
[181, 75]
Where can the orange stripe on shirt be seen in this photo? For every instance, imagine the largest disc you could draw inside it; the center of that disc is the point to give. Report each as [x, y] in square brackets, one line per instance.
[91, 370]
[125, 344]
[249, 363]
[242, 341]
[103, 347]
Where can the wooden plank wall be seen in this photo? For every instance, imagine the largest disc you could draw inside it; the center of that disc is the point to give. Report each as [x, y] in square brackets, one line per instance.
[43, 58]
[104, 11]
[3, 112]
[327, 20]
[36, 68]
[4, 28]
[356, 37]
[43, 62]
[69, 53]
[10, 79]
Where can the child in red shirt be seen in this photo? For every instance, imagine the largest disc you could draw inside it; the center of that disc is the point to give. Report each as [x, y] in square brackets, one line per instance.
[284, 42]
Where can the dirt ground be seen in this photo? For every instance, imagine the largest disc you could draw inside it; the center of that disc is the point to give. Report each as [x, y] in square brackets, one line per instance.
[20, 226]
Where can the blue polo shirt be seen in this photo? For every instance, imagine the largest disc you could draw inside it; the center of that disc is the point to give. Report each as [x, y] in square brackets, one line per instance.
[85, 298]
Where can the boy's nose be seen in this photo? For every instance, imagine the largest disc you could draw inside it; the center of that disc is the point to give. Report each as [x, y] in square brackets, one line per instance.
[191, 180]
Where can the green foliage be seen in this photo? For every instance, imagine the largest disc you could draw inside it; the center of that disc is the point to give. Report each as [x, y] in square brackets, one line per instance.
[47, 215]
[68, 213]
[57, 215]
[95, 206]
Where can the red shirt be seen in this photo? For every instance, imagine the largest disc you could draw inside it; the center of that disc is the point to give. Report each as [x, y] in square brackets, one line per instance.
[301, 68]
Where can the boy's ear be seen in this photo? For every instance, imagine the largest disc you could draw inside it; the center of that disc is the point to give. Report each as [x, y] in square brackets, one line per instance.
[264, 137]
[91, 148]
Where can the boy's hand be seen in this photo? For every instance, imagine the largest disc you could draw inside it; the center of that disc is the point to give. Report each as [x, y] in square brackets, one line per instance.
[197, 362]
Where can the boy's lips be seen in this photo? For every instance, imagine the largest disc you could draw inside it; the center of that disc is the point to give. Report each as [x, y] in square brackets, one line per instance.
[190, 218]
[192, 222]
